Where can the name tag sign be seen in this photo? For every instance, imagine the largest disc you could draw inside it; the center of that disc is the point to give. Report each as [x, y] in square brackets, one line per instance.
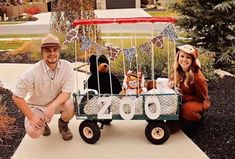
[151, 102]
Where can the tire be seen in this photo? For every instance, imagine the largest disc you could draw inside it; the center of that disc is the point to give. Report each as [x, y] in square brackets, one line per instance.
[105, 121]
[157, 132]
[150, 121]
[89, 131]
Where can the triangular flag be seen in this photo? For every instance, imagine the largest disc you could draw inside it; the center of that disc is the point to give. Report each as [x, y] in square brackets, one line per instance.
[86, 43]
[129, 53]
[71, 36]
[158, 41]
[146, 48]
[170, 33]
[113, 52]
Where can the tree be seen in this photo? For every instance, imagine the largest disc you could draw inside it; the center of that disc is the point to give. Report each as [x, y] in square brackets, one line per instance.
[64, 12]
[210, 24]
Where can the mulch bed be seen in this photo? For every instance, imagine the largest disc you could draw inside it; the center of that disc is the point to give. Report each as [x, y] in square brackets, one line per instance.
[215, 135]
[9, 144]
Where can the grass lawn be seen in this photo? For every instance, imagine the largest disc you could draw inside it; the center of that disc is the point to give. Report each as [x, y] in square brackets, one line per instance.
[22, 35]
[166, 13]
[14, 44]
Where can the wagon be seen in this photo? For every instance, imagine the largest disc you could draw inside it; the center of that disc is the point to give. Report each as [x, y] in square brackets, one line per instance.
[156, 106]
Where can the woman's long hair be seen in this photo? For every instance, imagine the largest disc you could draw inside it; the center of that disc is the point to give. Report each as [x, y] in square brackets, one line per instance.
[179, 75]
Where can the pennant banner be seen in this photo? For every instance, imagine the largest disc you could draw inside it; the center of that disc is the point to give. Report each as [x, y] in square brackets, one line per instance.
[113, 52]
[146, 48]
[158, 41]
[86, 43]
[170, 33]
[129, 53]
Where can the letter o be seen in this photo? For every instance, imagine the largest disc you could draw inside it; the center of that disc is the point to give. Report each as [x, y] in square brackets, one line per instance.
[152, 100]
[126, 101]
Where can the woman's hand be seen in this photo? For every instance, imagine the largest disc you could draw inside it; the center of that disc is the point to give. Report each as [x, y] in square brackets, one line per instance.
[171, 84]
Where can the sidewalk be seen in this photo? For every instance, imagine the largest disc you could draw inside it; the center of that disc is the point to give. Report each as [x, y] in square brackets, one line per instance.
[121, 140]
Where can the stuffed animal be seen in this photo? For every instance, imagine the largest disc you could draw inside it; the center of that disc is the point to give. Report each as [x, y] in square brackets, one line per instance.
[133, 83]
[150, 84]
[104, 76]
[160, 84]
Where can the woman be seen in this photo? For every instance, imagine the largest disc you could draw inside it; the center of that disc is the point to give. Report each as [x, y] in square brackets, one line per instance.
[188, 77]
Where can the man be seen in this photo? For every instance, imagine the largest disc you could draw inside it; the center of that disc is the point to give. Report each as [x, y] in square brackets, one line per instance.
[47, 85]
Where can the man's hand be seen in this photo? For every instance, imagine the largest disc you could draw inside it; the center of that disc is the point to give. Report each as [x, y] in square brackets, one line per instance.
[36, 122]
[49, 112]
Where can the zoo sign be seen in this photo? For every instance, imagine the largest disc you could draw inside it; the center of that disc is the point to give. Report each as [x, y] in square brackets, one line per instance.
[128, 101]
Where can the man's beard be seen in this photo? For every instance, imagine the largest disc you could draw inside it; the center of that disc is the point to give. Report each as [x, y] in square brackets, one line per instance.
[52, 62]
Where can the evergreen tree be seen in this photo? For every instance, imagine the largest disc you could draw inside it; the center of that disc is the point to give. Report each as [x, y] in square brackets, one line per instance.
[210, 24]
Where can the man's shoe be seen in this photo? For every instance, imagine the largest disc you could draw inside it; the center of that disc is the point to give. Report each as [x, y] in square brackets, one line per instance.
[64, 130]
[47, 130]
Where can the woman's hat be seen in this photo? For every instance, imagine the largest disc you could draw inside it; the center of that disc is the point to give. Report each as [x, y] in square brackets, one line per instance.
[50, 40]
[189, 49]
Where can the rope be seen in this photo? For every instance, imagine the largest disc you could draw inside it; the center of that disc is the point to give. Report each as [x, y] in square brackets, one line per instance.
[174, 71]
[152, 55]
[97, 71]
[110, 77]
[136, 56]
[85, 59]
[76, 64]
[122, 46]
[168, 56]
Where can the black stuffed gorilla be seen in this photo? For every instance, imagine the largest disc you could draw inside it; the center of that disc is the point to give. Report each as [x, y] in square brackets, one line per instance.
[104, 76]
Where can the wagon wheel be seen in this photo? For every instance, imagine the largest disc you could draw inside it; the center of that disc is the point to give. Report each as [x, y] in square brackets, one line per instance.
[150, 121]
[157, 132]
[105, 121]
[89, 131]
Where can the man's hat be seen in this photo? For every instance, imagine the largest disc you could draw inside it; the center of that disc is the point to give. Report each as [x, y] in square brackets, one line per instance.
[189, 49]
[50, 40]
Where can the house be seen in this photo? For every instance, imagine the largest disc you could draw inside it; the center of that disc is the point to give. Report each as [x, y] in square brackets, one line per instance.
[117, 4]
[14, 8]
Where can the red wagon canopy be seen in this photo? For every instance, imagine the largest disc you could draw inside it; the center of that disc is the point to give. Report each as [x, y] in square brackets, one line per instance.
[123, 20]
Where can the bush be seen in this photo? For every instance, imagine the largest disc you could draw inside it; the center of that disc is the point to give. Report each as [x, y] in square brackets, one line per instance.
[32, 10]
[67, 54]
[27, 53]
[207, 63]
[17, 58]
